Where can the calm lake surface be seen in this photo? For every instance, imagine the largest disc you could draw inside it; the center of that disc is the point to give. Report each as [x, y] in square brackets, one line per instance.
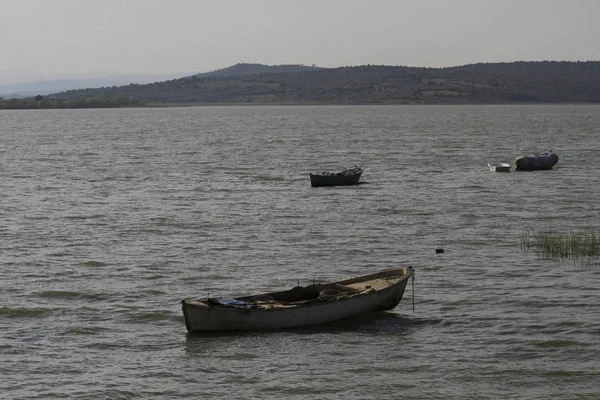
[111, 217]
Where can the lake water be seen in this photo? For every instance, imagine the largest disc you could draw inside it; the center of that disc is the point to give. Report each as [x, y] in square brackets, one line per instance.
[111, 217]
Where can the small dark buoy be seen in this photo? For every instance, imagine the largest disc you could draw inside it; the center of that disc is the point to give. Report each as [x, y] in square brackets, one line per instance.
[438, 250]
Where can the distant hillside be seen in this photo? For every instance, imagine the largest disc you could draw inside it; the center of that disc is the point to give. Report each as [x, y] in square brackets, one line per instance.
[48, 86]
[255, 69]
[496, 83]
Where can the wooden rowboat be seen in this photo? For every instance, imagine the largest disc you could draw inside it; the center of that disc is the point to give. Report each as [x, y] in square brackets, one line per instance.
[345, 177]
[299, 306]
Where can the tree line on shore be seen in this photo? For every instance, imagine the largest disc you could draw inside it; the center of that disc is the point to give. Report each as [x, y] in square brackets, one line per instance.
[52, 102]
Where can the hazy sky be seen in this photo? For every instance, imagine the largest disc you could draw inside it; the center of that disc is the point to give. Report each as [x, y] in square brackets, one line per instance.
[174, 36]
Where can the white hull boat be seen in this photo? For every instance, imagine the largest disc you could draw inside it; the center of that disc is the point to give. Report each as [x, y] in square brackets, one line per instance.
[299, 306]
[502, 167]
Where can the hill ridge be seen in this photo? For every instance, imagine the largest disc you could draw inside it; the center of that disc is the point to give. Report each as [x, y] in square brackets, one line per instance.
[481, 83]
[244, 69]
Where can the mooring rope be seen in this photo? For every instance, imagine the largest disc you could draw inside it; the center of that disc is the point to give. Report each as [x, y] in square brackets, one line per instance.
[413, 286]
[412, 272]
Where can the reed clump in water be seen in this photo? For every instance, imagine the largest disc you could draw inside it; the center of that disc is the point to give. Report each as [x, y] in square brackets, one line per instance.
[556, 244]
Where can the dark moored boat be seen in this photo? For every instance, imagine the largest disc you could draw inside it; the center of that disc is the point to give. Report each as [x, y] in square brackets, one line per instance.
[349, 176]
[534, 162]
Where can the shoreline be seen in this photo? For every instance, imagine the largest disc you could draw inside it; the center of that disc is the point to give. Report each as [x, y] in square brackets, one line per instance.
[308, 104]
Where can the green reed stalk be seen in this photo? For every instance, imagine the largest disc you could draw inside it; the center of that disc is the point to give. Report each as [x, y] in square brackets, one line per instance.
[585, 243]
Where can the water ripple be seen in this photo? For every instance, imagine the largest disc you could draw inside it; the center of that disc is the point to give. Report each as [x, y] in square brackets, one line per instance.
[111, 217]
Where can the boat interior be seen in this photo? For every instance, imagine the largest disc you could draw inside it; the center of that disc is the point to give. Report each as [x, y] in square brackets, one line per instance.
[314, 293]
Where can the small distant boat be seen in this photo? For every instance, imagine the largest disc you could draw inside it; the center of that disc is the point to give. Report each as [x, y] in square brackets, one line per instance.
[535, 162]
[299, 306]
[348, 176]
[502, 167]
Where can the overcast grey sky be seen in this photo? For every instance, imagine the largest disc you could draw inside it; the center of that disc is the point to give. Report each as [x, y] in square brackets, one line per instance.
[173, 36]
